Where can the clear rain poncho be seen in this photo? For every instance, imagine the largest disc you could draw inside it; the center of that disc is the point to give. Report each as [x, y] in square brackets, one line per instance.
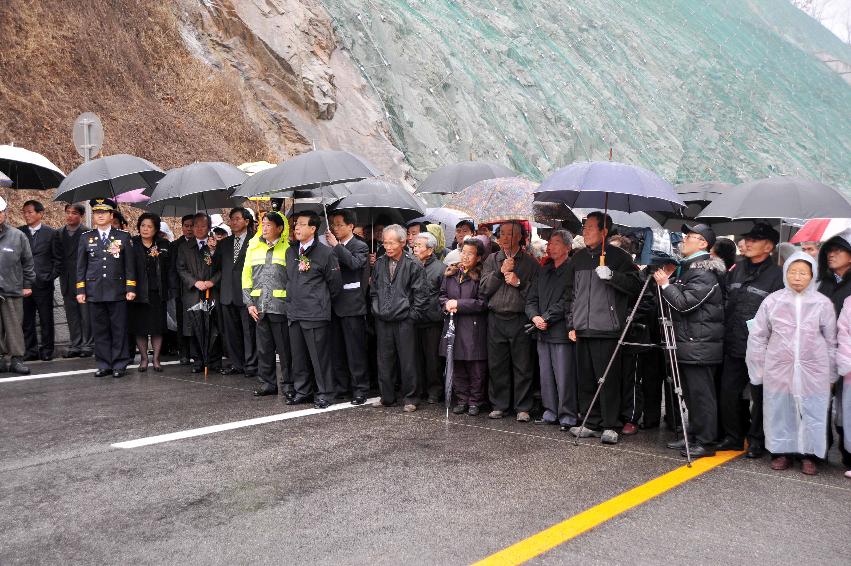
[843, 365]
[791, 353]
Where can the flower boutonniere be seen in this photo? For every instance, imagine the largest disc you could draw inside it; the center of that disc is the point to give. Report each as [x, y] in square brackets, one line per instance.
[303, 263]
[115, 248]
[208, 257]
[154, 251]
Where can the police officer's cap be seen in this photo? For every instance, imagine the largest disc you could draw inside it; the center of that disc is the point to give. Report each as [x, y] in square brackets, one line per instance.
[103, 204]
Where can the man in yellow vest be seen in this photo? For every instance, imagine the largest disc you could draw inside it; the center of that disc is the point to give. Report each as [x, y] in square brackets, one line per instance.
[264, 283]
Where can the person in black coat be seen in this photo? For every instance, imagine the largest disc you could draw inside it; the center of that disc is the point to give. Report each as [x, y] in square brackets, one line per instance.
[179, 342]
[77, 315]
[349, 317]
[749, 282]
[429, 327]
[556, 353]
[239, 329]
[47, 254]
[460, 296]
[106, 281]
[696, 298]
[147, 314]
[313, 281]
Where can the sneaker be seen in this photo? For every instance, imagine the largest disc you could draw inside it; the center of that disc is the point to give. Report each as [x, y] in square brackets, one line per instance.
[409, 408]
[808, 467]
[585, 432]
[459, 409]
[473, 410]
[629, 429]
[523, 417]
[609, 437]
[495, 414]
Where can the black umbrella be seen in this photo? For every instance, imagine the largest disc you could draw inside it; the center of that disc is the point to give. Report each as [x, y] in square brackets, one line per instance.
[199, 186]
[374, 197]
[108, 176]
[450, 361]
[702, 192]
[777, 199]
[202, 313]
[458, 176]
[27, 169]
[628, 219]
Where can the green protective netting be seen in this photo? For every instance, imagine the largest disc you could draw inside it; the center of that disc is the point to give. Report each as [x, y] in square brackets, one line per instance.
[695, 90]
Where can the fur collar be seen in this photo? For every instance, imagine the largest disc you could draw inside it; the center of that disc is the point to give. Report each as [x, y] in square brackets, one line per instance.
[709, 263]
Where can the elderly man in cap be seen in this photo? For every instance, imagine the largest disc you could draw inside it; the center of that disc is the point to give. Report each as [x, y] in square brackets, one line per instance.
[18, 275]
[749, 282]
[695, 292]
[106, 280]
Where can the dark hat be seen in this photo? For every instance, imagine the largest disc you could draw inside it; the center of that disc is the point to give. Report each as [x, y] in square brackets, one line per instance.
[763, 231]
[103, 204]
[702, 230]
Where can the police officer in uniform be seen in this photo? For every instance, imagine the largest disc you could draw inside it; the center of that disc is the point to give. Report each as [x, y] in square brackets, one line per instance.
[106, 280]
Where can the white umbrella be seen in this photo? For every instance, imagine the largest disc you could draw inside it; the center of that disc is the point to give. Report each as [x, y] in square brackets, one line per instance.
[28, 169]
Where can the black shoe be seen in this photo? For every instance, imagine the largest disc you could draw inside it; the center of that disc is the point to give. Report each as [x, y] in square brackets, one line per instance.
[676, 444]
[184, 361]
[70, 354]
[15, 366]
[196, 369]
[142, 369]
[31, 358]
[103, 372]
[359, 400]
[755, 451]
[46, 357]
[730, 444]
[265, 390]
[158, 369]
[566, 427]
[118, 373]
[289, 395]
[544, 422]
[297, 400]
[230, 371]
[321, 404]
[699, 451]
[4, 365]
[86, 354]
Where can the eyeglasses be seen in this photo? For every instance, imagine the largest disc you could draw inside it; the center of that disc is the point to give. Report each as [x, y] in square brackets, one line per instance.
[694, 236]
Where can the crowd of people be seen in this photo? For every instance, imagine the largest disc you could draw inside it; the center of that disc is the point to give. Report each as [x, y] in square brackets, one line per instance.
[763, 335]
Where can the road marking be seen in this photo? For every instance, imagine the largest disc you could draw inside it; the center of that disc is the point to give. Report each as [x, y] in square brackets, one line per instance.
[193, 432]
[568, 529]
[64, 373]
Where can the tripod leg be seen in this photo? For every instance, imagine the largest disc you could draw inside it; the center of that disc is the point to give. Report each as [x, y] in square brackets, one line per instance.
[670, 346]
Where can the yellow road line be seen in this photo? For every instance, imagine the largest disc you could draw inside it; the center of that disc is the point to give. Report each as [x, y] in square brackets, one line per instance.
[550, 538]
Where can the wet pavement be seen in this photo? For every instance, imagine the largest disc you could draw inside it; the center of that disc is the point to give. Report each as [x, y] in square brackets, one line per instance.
[362, 485]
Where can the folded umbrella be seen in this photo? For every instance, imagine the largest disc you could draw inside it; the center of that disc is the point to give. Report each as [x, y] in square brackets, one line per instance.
[27, 169]
[450, 362]
[108, 176]
[458, 176]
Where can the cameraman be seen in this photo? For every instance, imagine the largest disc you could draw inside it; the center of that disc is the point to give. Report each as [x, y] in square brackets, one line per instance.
[696, 298]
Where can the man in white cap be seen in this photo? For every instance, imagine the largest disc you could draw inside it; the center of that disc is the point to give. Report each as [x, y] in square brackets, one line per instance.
[17, 274]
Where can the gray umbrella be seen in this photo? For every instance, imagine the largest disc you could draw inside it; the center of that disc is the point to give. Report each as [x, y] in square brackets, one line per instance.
[777, 198]
[307, 175]
[458, 176]
[28, 169]
[5, 182]
[702, 192]
[108, 177]
[371, 198]
[199, 186]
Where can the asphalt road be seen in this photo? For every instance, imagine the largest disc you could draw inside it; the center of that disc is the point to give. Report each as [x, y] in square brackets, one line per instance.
[363, 485]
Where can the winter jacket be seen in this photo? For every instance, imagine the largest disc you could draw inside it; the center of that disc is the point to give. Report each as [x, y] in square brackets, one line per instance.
[264, 275]
[836, 291]
[313, 282]
[546, 299]
[593, 307]
[504, 299]
[17, 271]
[791, 353]
[471, 319]
[433, 270]
[747, 286]
[696, 298]
[402, 298]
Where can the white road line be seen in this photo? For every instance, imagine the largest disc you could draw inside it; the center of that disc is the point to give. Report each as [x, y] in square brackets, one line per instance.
[193, 432]
[64, 373]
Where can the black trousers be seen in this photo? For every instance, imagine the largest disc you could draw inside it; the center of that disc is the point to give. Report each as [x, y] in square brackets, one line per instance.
[41, 302]
[594, 355]
[737, 419]
[240, 337]
[273, 337]
[396, 342]
[429, 362]
[699, 392]
[350, 361]
[79, 329]
[641, 399]
[310, 350]
[109, 332]
[510, 363]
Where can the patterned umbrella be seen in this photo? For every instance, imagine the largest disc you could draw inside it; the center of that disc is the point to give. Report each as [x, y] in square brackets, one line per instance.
[497, 200]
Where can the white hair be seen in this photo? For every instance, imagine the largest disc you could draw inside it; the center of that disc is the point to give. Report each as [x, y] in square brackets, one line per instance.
[400, 233]
[430, 240]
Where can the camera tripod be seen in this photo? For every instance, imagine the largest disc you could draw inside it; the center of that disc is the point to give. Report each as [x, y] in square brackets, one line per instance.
[668, 344]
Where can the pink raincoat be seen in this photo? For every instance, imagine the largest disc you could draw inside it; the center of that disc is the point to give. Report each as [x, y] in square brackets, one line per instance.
[843, 364]
[791, 353]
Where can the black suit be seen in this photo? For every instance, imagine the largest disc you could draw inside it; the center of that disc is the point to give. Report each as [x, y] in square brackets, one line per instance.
[76, 314]
[47, 256]
[174, 293]
[239, 328]
[349, 320]
[106, 272]
[197, 264]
